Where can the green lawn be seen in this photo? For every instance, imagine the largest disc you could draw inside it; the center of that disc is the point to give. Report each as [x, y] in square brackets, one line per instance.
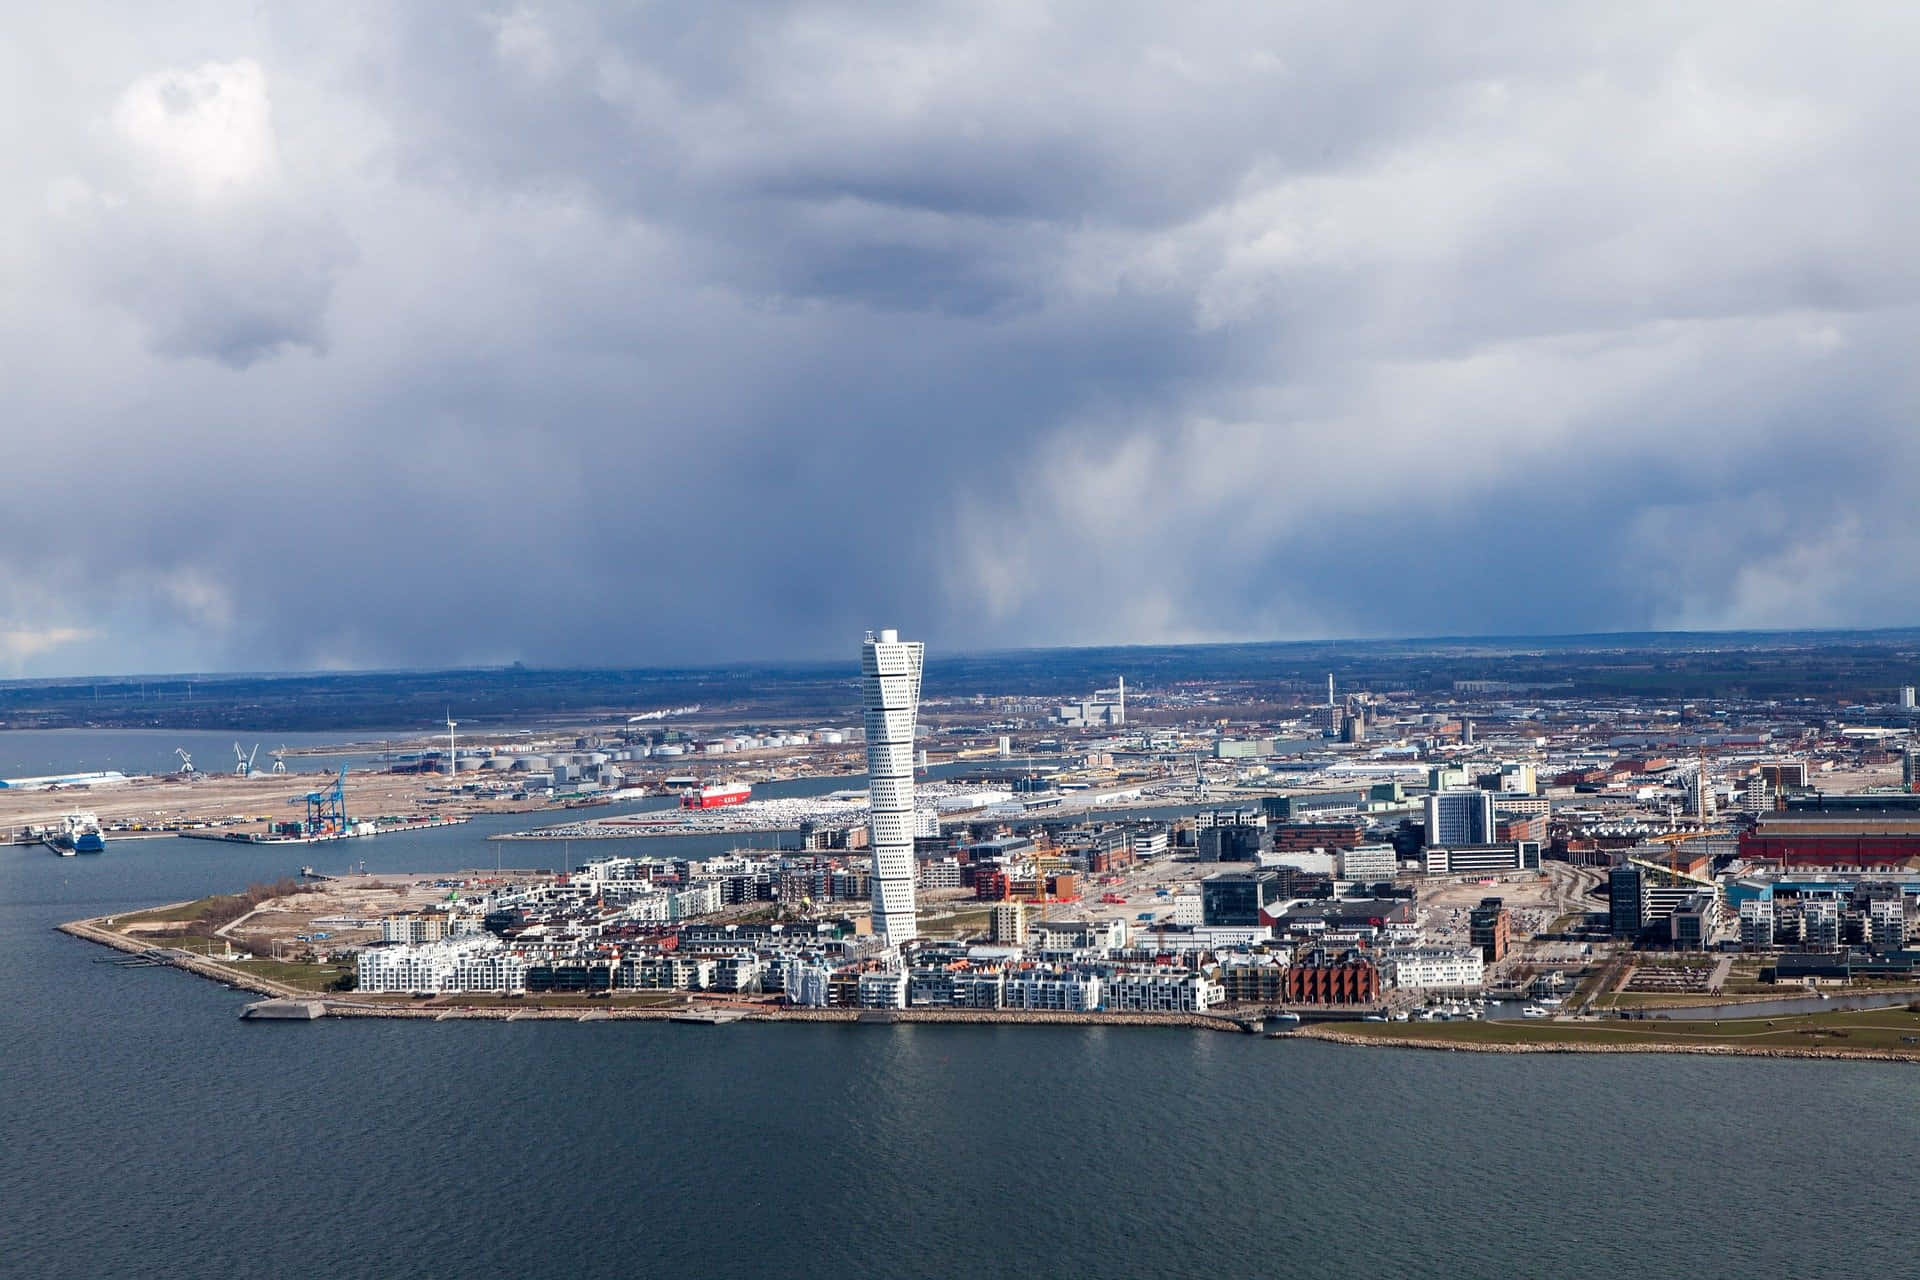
[1886, 1029]
[1676, 999]
[308, 977]
[179, 913]
[1675, 960]
[963, 921]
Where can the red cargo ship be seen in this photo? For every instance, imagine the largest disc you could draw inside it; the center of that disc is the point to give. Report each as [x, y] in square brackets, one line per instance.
[716, 795]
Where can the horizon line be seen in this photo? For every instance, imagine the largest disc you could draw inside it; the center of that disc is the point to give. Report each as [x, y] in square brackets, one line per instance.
[521, 665]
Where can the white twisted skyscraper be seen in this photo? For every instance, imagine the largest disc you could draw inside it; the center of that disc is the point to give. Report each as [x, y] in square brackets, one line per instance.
[891, 667]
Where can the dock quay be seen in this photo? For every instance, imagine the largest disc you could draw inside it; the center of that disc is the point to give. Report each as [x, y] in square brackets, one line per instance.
[707, 1017]
[285, 1010]
[254, 837]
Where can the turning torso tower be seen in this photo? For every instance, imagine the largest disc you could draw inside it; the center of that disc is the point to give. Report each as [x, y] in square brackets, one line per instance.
[891, 696]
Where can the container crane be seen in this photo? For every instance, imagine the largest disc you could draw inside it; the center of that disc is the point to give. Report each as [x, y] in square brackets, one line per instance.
[326, 808]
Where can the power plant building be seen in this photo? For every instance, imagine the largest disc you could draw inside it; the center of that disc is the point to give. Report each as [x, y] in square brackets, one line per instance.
[890, 671]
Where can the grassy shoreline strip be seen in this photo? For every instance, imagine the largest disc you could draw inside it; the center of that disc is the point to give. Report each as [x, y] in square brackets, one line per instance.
[1877, 1035]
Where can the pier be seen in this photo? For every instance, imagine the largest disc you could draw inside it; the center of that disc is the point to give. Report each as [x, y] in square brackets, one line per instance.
[254, 837]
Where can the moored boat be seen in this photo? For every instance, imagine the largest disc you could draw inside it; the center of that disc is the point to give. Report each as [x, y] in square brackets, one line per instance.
[716, 795]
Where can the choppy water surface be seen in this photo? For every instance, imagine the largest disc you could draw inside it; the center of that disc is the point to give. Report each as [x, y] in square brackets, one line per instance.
[146, 1131]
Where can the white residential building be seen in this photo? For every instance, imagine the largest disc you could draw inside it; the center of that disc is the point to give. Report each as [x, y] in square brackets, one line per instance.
[465, 965]
[940, 873]
[1820, 919]
[884, 989]
[804, 981]
[1433, 968]
[1071, 993]
[490, 970]
[1887, 920]
[700, 898]
[1163, 991]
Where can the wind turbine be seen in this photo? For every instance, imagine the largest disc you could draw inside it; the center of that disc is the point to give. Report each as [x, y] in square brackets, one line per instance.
[452, 768]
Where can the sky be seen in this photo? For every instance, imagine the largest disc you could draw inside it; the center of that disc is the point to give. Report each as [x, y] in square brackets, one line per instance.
[380, 335]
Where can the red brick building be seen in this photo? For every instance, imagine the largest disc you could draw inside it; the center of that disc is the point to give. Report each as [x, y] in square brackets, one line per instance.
[1296, 837]
[1350, 978]
[990, 885]
[1520, 826]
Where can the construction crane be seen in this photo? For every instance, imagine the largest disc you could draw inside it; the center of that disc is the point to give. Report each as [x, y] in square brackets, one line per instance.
[1673, 840]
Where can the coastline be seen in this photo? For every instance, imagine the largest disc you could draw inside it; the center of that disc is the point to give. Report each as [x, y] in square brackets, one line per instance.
[346, 1005]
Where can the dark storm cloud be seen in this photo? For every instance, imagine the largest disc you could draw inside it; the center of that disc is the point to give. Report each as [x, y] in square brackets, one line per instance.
[666, 333]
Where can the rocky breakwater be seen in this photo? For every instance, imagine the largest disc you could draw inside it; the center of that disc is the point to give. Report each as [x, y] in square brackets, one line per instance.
[232, 975]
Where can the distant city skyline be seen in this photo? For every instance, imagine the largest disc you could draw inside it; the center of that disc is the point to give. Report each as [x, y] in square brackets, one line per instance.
[374, 337]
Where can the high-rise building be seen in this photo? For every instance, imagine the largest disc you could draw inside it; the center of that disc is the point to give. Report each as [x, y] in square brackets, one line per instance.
[890, 670]
[1626, 901]
[1906, 697]
[1459, 817]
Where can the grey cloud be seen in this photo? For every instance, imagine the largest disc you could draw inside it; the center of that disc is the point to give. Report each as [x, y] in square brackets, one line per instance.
[579, 334]
[235, 289]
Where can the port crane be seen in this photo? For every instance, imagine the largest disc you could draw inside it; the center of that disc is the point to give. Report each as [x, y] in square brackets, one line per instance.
[186, 761]
[279, 759]
[326, 808]
[243, 762]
